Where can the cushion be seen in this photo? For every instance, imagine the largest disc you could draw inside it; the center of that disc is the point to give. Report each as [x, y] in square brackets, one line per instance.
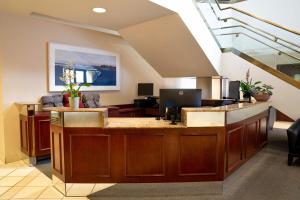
[66, 100]
[91, 100]
[47, 105]
[46, 100]
[52, 101]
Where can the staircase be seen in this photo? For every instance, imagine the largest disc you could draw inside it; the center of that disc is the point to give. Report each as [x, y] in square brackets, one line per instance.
[248, 41]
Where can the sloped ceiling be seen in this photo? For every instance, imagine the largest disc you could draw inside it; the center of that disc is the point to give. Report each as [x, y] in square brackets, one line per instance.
[158, 34]
[167, 44]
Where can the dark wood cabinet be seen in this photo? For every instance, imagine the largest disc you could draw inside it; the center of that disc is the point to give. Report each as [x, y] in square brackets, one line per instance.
[35, 134]
[234, 147]
[251, 136]
[42, 134]
[263, 131]
[244, 139]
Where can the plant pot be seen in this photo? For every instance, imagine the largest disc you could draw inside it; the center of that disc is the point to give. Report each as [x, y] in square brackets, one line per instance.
[74, 102]
[247, 96]
[261, 96]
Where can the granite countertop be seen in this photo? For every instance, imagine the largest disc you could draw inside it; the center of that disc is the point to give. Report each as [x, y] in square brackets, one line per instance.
[67, 109]
[27, 103]
[227, 108]
[141, 123]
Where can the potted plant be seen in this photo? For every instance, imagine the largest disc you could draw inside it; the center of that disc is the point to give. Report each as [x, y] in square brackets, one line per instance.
[262, 93]
[247, 87]
[71, 87]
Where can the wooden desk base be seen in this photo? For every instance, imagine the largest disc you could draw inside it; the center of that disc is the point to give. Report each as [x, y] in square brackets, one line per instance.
[152, 155]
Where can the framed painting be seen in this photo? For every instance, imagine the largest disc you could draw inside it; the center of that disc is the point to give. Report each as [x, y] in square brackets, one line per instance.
[97, 67]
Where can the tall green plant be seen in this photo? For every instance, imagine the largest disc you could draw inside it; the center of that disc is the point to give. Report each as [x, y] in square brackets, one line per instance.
[247, 87]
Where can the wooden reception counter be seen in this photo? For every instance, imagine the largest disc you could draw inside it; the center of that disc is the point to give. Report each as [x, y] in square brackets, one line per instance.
[210, 143]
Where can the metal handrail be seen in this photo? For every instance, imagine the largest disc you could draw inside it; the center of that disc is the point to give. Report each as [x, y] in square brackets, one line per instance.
[241, 26]
[258, 18]
[241, 33]
[276, 38]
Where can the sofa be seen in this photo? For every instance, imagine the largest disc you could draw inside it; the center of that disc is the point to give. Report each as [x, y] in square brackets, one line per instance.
[87, 100]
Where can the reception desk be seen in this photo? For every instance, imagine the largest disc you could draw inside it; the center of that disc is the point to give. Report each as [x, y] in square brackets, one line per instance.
[208, 145]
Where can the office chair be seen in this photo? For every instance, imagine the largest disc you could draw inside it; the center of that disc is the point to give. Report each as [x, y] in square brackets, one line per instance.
[293, 134]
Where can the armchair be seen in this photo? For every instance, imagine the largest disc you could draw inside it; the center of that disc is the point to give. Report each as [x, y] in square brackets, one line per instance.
[293, 134]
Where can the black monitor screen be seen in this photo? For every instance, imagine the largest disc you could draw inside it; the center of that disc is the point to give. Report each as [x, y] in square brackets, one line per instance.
[234, 90]
[179, 98]
[145, 89]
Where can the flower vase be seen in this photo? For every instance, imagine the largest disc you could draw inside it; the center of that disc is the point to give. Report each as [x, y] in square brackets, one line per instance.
[74, 102]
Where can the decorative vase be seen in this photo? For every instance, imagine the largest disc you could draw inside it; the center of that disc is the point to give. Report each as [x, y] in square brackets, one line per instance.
[74, 102]
[247, 95]
[261, 96]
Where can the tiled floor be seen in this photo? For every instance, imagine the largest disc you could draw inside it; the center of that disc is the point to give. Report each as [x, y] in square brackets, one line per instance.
[19, 181]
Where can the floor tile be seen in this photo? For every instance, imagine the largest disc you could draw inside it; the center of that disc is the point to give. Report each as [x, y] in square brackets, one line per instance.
[81, 189]
[6, 170]
[3, 190]
[10, 181]
[29, 192]
[40, 181]
[25, 181]
[35, 172]
[51, 193]
[22, 171]
[10, 193]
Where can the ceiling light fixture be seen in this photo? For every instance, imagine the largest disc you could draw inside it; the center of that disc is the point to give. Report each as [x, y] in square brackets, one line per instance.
[99, 10]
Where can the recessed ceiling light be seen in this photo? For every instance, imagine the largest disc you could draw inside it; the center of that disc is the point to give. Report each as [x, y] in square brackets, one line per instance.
[99, 10]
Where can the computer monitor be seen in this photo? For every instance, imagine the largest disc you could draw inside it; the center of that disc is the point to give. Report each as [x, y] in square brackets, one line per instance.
[178, 98]
[145, 89]
[234, 90]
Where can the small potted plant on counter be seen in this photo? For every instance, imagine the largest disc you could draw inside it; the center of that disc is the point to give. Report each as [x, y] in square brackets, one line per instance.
[247, 87]
[71, 87]
[263, 93]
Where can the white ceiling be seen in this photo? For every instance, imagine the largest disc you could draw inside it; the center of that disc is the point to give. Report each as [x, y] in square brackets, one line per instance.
[120, 13]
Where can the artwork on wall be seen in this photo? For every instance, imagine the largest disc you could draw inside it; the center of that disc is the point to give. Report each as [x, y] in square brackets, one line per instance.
[94, 66]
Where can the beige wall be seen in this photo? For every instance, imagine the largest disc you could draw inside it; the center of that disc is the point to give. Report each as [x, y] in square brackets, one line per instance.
[24, 44]
[2, 147]
[205, 83]
[285, 97]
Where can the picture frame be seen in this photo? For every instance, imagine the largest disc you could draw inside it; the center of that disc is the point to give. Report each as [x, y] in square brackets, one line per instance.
[99, 68]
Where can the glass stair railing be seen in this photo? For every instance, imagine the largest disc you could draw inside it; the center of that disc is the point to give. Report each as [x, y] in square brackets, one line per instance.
[270, 46]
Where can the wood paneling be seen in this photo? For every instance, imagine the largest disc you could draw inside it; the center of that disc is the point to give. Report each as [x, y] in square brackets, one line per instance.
[251, 131]
[144, 155]
[234, 148]
[135, 155]
[42, 135]
[198, 155]
[263, 131]
[35, 134]
[244, 139]
[57, 150]
[282, 117]
[24, 134]
[92, 159]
